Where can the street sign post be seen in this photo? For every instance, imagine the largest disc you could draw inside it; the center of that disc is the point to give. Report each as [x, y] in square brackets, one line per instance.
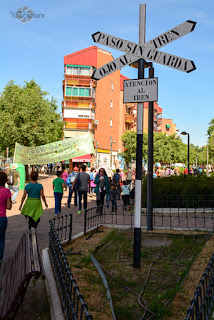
[146, 50]
[141, 90]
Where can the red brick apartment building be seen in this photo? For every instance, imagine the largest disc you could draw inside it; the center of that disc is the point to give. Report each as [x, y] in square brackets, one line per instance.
[97, 106]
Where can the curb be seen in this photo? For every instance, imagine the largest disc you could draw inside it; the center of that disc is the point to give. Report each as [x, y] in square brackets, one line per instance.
[55, 304]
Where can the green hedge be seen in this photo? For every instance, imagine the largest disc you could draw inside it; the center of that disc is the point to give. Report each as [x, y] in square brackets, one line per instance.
[181, 185]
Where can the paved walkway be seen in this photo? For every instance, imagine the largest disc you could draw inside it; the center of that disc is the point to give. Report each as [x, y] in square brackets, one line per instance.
[17, 224]
[35, 304]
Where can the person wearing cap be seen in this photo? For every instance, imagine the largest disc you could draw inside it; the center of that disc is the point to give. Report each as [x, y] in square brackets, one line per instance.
[71, 178]
[14, 183]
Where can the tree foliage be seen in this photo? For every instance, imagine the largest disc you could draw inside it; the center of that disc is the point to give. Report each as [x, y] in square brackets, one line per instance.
[211, 145]
[27, 116]
[166, 149]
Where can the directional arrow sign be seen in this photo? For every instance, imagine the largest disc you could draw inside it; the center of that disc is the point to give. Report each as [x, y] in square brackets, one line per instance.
[172, 34]
[113, 66]
[146, 51]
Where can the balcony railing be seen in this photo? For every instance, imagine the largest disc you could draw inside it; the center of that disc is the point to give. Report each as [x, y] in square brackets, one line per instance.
[129, 118]
[79, 99]
[80, 125]
[79, 104]
[80, 80]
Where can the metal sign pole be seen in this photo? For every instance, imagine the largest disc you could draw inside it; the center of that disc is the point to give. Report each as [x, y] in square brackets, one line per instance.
[139, 151]
[150, 160]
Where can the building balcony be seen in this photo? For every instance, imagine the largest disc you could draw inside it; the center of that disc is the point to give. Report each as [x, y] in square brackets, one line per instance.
[79, 99]
[79, 81]
[78, 104]
[129, 118]
[78, 126]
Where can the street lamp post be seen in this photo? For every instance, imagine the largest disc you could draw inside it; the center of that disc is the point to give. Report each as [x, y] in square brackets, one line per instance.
[111, 142]
[184, 133]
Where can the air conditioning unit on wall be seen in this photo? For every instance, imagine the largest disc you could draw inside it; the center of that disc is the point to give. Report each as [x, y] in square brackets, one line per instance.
[96, 122]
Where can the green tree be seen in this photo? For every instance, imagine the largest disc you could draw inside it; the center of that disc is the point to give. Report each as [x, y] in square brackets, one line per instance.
[210, 130]
[28, 117]
[166, 149]
[129, 139]
[211, 145]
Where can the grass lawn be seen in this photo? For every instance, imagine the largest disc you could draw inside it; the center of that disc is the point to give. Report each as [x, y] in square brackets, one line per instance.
[166, 259]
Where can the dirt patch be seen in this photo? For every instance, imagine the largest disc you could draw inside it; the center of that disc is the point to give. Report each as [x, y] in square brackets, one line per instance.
[160, 289]
[86, 274]
[183, 297]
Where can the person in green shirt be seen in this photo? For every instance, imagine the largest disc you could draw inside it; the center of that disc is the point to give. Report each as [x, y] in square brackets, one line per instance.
[58, 185]
[32, 208]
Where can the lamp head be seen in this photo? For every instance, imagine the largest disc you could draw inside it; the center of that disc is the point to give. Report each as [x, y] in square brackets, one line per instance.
[184, 133]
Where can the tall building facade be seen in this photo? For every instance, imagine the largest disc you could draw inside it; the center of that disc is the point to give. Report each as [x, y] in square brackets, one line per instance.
[92, 106]
[97, 107]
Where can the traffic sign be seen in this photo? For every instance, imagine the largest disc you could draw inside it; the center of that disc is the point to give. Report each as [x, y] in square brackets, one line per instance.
[139, 51]
[147, 51]
[140, 90]
[113, 66]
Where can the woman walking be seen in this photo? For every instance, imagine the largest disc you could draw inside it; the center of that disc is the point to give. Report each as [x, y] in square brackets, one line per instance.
[32, 208]
[5, 203]
[102, 188]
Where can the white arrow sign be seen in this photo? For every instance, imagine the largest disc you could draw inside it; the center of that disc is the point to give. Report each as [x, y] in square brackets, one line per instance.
[146, 51]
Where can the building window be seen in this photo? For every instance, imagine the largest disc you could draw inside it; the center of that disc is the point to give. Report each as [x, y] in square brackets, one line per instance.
[110, 122]
[79, 70]
[112, 86]
[111, 104]
[78, 92]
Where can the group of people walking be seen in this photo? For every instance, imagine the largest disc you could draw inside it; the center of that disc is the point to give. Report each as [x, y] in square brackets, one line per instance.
[79, 182]
[104, 186]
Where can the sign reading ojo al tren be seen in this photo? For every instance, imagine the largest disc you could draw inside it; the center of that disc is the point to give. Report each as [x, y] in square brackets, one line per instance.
[140, 90]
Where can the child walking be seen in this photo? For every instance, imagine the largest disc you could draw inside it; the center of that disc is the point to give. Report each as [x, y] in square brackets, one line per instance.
[108, 197]
[126, 194]
[113, 196]
[58, 185]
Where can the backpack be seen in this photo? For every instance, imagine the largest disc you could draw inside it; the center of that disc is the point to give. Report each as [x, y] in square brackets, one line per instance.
[10, 178]
[70, 180]
[115, 178]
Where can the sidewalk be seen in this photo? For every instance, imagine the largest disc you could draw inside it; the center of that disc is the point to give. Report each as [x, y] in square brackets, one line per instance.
[35, 303]
[17, 224]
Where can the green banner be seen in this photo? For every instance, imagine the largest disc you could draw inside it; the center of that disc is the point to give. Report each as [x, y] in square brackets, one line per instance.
[54, 152]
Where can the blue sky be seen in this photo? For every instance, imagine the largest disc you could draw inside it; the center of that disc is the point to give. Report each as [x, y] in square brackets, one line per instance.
[35, 50]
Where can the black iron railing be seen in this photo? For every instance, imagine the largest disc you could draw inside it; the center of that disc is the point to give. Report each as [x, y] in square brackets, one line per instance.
[181, 201]
[168, 218]
[63, 226]
[202, 303]
[72, 301]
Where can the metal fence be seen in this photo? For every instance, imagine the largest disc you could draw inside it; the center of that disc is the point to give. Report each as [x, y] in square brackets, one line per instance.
[202, 303]
[163, 218]
[63, 226]
[181, 201]
[72, 301]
